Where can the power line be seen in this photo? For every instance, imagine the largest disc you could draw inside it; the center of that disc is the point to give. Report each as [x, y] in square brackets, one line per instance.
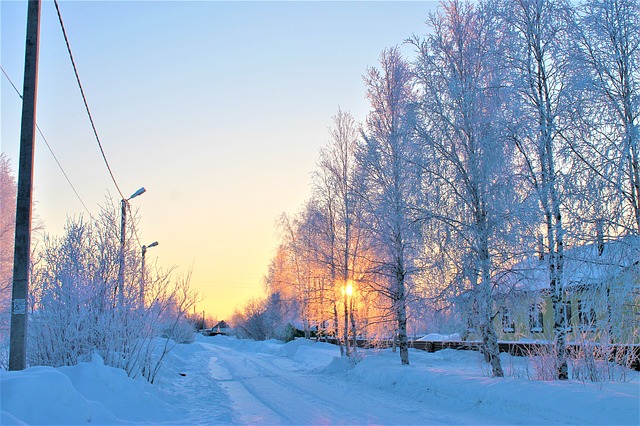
[86, 105]
[84, 98]
[51, 151]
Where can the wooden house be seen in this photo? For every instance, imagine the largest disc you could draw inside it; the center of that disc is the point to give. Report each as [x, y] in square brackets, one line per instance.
[600, 292]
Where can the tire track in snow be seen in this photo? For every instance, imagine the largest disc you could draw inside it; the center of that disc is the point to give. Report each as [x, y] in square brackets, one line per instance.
[267, 389]
[202, 399]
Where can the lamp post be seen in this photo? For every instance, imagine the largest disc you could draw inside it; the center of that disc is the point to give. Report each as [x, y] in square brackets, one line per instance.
[144, 252]
[123, 223]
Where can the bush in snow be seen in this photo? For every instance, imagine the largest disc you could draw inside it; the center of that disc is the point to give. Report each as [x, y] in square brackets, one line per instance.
[76, 309]
[264, 319]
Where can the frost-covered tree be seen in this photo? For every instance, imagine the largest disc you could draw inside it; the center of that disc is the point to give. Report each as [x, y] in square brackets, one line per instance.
[466, 160]
[8, 190]
[74, 311]
[336, 191]
[607, 52]
[538, 34]
[390, 184]
[297, 246]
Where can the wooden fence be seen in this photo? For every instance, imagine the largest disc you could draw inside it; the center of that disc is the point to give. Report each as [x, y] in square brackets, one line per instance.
[629, 353]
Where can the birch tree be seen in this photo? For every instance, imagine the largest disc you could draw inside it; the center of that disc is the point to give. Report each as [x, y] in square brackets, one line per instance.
[538, 34]
[390, 183]
[337, 192]
[326, 195]
[608, 53]
[466, 162]
[298, 245]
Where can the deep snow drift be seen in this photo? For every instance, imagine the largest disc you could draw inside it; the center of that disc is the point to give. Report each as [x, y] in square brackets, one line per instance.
[222, 380]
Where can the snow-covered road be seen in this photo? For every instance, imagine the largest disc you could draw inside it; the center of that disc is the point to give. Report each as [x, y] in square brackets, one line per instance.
[267, 389]
[234, 382]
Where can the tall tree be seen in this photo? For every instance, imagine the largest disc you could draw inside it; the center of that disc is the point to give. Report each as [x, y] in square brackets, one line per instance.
[390, 182]
[538, 32]
[336, 189]
[608, 44]
[466, 161]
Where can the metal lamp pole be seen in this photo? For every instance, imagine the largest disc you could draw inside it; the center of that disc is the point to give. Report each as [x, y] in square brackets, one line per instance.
[142, 283]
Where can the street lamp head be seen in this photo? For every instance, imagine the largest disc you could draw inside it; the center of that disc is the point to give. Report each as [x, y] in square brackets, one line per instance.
[138, 192]
[144, 248]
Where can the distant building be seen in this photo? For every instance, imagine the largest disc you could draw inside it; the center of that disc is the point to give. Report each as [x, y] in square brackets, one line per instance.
[220, 328]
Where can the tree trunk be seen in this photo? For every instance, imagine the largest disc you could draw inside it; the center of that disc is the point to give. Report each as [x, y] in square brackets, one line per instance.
[487, 329]
[336, 330]
[345, 330]
[492, 350]
[401, 312]
[402, 334]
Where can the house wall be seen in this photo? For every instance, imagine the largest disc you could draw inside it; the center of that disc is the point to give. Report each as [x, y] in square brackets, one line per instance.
[599, 313]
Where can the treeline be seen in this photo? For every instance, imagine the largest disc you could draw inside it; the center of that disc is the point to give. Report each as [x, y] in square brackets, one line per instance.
[512, 132]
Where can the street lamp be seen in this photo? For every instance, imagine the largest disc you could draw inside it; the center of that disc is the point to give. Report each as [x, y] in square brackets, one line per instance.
[123, 223]
[144, 251]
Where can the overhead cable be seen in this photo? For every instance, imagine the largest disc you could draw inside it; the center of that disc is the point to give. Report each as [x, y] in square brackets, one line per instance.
[51, 150]
[84, 98]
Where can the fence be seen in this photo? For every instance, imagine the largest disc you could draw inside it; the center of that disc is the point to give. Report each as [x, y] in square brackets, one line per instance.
[631, 352]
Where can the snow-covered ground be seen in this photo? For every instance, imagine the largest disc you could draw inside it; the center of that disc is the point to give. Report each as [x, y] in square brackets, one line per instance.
[222, 380]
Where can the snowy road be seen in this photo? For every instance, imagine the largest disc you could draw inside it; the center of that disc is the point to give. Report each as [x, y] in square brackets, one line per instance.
[261, 388]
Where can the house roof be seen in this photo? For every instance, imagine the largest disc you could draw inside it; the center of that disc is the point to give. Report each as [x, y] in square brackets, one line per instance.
[583, 265]
[221, 324]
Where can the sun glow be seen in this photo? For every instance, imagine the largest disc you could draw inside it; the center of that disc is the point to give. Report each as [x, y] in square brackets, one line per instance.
[349, 288]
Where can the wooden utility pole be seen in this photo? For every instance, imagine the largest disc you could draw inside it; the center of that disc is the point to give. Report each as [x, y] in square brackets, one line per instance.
[22, 251]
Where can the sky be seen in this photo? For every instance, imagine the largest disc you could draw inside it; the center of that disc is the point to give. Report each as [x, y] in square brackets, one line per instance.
[218, 109]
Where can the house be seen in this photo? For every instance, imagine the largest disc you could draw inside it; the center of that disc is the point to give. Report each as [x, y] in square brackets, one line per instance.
[601, 296]
[220, 328]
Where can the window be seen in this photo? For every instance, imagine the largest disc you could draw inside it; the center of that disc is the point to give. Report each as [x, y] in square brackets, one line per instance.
[508, 325]
[586, 315]
[535, 318]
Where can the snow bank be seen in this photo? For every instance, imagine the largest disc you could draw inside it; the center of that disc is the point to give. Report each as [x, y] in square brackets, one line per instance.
[434, 337]
[86, 393]
[310, 355]
[460, 376]
[112, 387]
[45, 395]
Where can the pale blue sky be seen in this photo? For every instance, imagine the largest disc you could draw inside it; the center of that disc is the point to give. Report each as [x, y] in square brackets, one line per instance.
[217, 108]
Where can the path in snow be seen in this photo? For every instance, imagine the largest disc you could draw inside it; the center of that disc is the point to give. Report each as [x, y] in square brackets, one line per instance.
[187, 384]
[259, 388]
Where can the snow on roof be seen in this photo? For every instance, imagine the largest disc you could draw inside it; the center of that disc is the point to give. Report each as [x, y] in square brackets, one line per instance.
[583, 265]
[221, 324]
